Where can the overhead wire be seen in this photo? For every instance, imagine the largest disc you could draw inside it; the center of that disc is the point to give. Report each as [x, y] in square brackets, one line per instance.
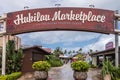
[95, 41]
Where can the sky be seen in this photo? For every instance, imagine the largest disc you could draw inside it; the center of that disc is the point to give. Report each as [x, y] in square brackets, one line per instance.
[70, 40]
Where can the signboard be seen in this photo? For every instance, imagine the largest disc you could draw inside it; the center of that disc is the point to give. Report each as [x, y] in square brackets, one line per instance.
[78, 19]
[109, 45]
[2, 29]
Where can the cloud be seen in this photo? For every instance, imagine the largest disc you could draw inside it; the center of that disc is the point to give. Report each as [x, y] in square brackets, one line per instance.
[72, 49]
[100, 44]
[52, 37]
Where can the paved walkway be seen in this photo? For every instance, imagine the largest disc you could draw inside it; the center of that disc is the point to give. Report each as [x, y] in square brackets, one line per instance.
[66, 73]
[61, 73]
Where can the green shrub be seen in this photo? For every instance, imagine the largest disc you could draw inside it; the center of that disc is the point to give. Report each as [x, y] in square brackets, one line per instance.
[3, 77]
[41, 66]
[118, 79]
[55, 63]
[13, 76]
[116, 73]
[81, 66]
[79, 57]
[108, 68]
[53, 60]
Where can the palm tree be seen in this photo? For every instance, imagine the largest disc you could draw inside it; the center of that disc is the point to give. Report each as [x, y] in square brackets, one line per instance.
[65, 51]
[73, 51]
[58, 51]
[91, 50]
[69, 52]
[80, 49]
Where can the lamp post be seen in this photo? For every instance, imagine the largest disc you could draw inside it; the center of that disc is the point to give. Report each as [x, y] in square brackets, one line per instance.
[58, 5]
[26, 7]
[91, 6]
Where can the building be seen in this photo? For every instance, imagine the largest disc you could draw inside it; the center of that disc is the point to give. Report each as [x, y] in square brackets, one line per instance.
[15, 38]
[98, 57]
[32, 54]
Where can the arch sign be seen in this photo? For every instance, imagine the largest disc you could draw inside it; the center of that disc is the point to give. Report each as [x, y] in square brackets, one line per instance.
[78, 19]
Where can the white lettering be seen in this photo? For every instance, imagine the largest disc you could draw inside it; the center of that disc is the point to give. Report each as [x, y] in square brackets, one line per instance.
[58, 15]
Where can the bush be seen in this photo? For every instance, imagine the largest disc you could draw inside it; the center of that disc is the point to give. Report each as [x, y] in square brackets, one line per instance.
[53, 60]
[116, 73]
[80, 66]
[55, 63]
[41, 66]
[80, 57]
[108, 68]
[13, 76]
[3, 77]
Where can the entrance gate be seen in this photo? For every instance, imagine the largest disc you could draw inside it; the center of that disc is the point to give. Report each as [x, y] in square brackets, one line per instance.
[45, 19]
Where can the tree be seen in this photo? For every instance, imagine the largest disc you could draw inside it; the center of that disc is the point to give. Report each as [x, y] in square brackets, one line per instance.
[65, 51]
[73, 51]
[58, 51]
[80, 57]
[80, 49]
[13, 58]
[91, 50]
[69, 52]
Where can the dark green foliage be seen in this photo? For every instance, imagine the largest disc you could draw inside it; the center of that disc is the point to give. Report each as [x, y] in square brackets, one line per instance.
[13, 76]
[80, 57]
[41, 66]
[116, 73]
[58, 51]
[108, 68]
[13, 58]
[54, 61]
[81, 66]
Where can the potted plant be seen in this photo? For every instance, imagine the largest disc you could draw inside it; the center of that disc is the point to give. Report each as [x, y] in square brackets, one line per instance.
[41, 70]
[80, 70]
[107, 70]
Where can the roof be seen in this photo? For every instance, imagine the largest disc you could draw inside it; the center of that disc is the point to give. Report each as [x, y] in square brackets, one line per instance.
[48, 50]
[37, 47]
[105, 52]
[65, 57]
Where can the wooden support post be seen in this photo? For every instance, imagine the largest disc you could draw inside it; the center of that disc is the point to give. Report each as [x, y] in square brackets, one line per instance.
[3, 33]
[4, 55]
